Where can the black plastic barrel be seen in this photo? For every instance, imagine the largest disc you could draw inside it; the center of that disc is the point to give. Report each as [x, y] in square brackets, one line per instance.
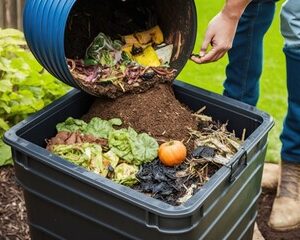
[59, 29]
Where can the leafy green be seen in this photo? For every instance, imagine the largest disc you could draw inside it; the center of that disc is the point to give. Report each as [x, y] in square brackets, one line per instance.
[101, 128]
[25, 87]
[109, 159]
[90, 156]
[72, 125]
[87, 155]
[96, 127]
[125, 174]
[144, 148]
[103, 51]
[119, 142]
[134, 148]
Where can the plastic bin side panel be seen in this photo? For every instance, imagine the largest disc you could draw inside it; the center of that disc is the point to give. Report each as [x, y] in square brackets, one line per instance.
[237, 204]
[60, 223]
[76, 197]
[80, 206]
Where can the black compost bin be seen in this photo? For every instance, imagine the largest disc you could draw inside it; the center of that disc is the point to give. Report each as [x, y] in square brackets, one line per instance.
[65, 201]
[60, 29]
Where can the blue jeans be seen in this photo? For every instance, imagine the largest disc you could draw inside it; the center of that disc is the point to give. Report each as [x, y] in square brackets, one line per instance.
[246, 56]
[290, 29]
[290, 136]
[245, 65]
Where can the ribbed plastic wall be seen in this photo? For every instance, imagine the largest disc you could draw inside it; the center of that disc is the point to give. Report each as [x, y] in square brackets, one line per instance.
[44, 28]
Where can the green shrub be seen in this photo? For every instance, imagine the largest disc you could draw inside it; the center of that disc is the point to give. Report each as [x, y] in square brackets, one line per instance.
[25, 87]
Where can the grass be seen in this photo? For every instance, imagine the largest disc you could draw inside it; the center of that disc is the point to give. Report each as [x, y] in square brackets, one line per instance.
[273, 93]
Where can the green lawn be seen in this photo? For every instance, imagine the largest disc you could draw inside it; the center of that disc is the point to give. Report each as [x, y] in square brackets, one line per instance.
[273, 86]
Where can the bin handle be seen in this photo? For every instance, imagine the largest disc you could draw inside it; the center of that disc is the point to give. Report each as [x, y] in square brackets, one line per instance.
[22, 161]
[238, 165]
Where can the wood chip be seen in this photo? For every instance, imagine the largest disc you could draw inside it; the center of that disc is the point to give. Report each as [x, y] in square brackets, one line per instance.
[13, 218]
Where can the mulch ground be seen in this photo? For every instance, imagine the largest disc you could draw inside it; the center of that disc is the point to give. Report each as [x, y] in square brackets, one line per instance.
[12, 207]
[13, 218]
[265, 206]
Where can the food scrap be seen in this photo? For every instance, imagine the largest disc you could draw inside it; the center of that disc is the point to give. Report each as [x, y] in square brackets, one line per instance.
[172, 153]
[169, 172]
[126, 63]
[100, 148]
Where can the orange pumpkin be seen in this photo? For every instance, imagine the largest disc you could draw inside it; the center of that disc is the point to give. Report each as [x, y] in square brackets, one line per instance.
[172, 153]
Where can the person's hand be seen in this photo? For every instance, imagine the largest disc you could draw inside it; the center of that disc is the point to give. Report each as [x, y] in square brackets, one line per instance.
[219, 34]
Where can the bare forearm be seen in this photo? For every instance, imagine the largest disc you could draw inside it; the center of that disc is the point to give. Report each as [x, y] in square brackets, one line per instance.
[220, 31]
[235, 8]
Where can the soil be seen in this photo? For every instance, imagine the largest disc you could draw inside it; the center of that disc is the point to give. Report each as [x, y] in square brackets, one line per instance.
[13, 219]
[156, 112]
[114, 91]
[265, 206]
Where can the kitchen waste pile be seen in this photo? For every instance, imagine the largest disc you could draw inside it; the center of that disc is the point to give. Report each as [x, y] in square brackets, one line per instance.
[133, 63]
[149, 142]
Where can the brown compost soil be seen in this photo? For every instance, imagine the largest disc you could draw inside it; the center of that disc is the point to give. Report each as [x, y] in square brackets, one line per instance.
[156, 112]
[114, 91]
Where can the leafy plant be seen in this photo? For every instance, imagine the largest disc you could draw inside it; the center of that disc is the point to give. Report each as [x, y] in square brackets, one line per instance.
[25, 86]
[132, 147]
[127, 144]
[96, 127]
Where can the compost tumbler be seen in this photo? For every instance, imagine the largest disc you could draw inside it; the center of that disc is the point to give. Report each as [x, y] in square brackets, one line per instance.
[60, 29]
[65, 201]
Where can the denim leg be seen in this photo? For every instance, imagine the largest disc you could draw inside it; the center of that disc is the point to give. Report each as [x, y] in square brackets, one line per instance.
[290, 29]
[246, 56]
[290, 136]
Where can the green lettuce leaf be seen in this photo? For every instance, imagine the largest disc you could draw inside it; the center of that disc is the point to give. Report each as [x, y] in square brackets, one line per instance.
[125, 174]
[119, 143]
[132, 147]
[96, 127]
[87, 155]
[72, 125]
[144, 148]
[110, 159]
[101, 128]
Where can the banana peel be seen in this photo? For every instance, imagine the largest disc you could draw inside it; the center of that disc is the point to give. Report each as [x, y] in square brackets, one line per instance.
[152, 35]
[148, 58]
[130, 39]
[127, 48]
[144, 37]
[157, 35]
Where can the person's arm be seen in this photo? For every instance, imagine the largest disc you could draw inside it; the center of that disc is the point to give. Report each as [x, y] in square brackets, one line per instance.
[220, 31]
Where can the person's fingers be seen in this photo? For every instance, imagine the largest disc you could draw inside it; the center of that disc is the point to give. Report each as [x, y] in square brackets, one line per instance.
[209, 56]
[215, 54]
[207, 40]
[221, 55]
[196, 59]
[218, 56]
